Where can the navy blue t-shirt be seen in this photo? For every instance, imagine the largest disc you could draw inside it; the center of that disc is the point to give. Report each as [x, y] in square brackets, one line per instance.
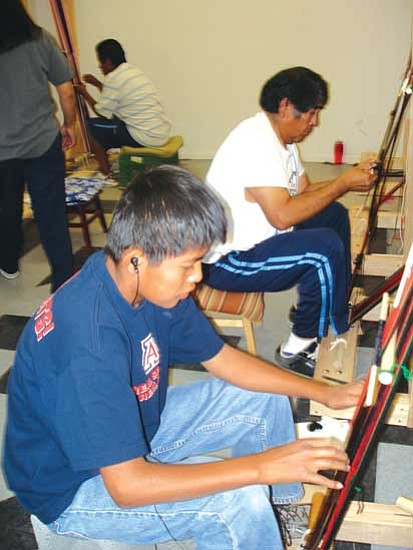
[88, 385]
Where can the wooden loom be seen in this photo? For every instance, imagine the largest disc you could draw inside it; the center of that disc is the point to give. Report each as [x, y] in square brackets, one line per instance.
[396, 341]
[63, 23]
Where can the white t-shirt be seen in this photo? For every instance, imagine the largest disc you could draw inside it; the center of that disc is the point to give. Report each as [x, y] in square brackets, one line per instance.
[251, 156]
[129, 94]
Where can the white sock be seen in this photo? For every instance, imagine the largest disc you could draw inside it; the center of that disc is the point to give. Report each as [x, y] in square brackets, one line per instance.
[295, 344]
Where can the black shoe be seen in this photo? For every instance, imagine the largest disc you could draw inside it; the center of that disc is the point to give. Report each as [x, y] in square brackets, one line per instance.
[292, 521]
[302, 363]
[9, 274]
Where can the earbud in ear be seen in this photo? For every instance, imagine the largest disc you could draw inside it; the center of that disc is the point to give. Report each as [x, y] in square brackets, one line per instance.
[135, 262]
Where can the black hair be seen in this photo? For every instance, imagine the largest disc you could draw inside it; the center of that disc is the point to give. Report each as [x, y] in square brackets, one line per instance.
[16, 26]
[304, 88]
[112, 50]
[166, 211]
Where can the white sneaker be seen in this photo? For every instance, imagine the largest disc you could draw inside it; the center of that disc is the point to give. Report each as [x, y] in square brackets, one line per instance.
[8, 275]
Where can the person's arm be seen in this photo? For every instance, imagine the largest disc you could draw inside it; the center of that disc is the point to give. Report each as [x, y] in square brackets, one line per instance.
[93, 81]
[108, 100]
[306, 185]
[81, 88]
[68, 105]
[283, 210]
[255, 374]
[138, 482]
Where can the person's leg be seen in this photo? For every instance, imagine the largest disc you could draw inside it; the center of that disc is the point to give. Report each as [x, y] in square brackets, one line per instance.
[211, 415]
[11, 208]
[100, 155]
[105, 134]
[197, 419]
[46, 182]
[313, 259]
[335, 217]
[232, 520]
[101, 135]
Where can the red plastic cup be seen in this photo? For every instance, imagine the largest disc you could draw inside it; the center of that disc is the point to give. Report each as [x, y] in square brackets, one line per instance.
[338, 152]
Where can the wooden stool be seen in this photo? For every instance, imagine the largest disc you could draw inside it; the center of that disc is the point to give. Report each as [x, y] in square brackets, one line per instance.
[137, 159]
[232, 309]
[46, 540]
[87, 211]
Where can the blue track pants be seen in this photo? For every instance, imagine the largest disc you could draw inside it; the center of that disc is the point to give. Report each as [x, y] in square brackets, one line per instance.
[315, 257]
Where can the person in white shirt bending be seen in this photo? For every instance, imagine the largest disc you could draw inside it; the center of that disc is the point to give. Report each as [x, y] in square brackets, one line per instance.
[129, 110]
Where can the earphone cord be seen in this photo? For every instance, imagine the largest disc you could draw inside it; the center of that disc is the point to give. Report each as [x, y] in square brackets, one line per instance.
[159, 515]
[137, 288]
[167, 530]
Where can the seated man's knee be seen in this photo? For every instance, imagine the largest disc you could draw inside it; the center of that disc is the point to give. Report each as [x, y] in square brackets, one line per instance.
[330, 242]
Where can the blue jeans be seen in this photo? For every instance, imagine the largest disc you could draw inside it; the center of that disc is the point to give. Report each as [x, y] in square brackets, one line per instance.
[198, 418]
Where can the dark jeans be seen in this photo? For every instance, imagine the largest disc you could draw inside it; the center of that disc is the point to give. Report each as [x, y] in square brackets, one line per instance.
[45, 179]
[111, 133]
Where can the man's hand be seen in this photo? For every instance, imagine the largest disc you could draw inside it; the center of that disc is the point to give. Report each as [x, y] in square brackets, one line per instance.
[68, 105]
[81, 89]
[362, 177]
[68, 137]
[301, 461]
[341, 397]
[92, 80]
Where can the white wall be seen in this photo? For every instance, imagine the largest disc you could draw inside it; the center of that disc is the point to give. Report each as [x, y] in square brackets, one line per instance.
[209, 59]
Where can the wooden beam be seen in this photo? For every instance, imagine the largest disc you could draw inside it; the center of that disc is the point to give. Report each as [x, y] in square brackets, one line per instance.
[383, 524]
[382, 265]
[358, 223]
[387, 219]
[372, 523]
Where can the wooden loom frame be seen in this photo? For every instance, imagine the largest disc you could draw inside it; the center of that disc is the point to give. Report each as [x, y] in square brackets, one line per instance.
[67, 43]
[397, 341]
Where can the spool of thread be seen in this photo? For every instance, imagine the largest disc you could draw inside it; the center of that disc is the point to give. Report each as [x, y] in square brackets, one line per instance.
[338, 152]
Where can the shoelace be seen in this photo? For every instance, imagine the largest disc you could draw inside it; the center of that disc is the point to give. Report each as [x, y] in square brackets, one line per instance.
[293, 521]
[312, 352]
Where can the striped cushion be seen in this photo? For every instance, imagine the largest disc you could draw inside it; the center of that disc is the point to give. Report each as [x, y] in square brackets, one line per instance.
[244, 304]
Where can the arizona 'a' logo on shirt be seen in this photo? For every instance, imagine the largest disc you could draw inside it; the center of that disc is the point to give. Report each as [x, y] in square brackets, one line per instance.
[43, 320]
[150, 364]
[150, 354]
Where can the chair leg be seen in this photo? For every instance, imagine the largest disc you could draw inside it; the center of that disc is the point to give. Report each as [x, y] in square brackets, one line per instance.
[85, 227]
[249, 336]
[100, 214]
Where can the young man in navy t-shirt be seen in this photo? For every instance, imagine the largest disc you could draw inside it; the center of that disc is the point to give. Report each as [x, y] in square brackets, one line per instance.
[97, 446]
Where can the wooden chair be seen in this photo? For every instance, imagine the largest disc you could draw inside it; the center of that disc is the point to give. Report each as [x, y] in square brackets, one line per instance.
[87, 211]
[232, 309]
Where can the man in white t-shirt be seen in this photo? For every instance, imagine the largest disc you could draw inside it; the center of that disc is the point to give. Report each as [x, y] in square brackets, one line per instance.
[129, 110]
[285, 231]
